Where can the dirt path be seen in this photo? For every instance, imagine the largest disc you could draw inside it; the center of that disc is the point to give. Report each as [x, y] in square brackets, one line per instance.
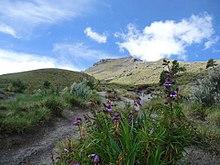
[197, 156]
[36, 148]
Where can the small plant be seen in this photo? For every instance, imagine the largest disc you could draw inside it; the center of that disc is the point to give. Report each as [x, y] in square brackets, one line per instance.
[173, 69]
[74, 101]
[79, 123]
[176, 67]
[170, 88]
[55, 104]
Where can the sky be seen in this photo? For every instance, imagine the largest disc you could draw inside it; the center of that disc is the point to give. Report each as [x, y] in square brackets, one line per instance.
[74, 34]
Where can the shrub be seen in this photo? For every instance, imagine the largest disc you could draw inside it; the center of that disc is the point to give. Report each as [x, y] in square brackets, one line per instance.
[17, 86]
[84, 92]
[74, 100]
[176, 67]
[81, 90]
[207, 90]
[55, 104]
[211, 63]
[93, 84]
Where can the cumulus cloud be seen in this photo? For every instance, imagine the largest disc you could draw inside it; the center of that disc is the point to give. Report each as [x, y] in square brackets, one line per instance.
[79, 54]
[162, 39]
[25, 15]
[12, 61]
[100, 38]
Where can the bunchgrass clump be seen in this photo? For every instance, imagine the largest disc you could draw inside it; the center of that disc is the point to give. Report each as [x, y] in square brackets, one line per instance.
[157, 137]
[26, 111]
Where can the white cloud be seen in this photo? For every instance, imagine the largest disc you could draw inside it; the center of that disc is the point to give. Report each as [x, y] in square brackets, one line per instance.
[12, 61]
[7, 30]
[166, 38]
[100, 38]
[79, 54]
[211, 42]
[25, 15]
[67, 56]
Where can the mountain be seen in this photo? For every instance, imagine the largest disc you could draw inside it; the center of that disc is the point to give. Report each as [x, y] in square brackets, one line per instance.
[133, 71]
[35, 78]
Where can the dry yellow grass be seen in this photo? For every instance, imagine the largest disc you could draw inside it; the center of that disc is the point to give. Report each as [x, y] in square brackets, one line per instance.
[132, 71]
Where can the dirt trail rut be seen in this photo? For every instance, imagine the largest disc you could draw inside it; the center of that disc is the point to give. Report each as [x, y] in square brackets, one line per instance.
[36, 148]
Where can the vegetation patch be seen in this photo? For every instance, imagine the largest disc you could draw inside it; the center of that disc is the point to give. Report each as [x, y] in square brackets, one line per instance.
[26, 111]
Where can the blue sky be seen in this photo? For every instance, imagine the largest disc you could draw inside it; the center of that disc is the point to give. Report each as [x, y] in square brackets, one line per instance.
[73, 34]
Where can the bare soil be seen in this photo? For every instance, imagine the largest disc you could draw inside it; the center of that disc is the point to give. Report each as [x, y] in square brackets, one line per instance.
[36, 147]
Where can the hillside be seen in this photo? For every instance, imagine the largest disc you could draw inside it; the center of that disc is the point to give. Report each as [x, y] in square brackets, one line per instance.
[34, 79]
[133, 71]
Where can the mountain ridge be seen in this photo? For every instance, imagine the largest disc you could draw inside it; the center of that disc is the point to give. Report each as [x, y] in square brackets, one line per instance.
[35, 78]
[133, 71]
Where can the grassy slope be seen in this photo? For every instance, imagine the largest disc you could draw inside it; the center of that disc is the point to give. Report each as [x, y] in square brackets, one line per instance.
[34, 79]
[130, 71]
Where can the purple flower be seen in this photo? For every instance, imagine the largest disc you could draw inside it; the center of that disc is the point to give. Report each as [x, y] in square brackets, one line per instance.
[108, 107]
[168, 83]
[95, 159]
[173, 95]
[77, 121]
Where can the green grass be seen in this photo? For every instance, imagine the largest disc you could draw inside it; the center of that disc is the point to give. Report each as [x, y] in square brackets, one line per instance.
[206, 119]
[18, 122]
[27, 111]
[147, 139]
[34, 79]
